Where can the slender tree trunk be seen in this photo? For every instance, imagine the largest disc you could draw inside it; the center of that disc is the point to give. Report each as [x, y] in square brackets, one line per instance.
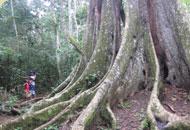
[57, 39]
[75, 20]
[13, 17]
[58, 44]
[73, 26]
[62, 19]
[70, 11]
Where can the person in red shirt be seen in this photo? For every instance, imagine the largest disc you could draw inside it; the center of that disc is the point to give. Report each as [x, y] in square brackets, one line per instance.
[27, 88]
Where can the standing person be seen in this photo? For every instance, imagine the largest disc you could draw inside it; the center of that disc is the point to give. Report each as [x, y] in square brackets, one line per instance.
[27, 88]
[32, 87]
[32, 77]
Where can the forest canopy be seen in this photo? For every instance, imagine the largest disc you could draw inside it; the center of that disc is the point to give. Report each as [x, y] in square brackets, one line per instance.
[31, 44]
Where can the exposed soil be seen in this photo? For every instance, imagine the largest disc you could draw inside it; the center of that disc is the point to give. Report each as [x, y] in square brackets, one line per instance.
[129, 117]
[65, 127]
[4, 118]
[176, 100]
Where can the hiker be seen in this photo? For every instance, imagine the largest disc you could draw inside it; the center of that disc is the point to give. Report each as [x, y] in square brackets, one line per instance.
[32, 87]
[32, 75]
[27, 88]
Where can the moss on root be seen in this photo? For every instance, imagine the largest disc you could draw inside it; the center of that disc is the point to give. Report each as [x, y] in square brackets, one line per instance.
[30, 121]
[147, 124]
[89, 120]
[101, 114]
[150, 54]
[178, 127]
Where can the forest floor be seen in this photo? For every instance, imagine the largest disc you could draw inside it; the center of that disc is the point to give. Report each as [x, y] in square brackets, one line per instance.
[7, 117]
[130, 115]
[132, 112]
[4, 118]
[176, 100]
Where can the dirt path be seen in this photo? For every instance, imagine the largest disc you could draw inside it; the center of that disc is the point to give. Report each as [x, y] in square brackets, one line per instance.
[130, 115]
[176, 100]
[4, 118]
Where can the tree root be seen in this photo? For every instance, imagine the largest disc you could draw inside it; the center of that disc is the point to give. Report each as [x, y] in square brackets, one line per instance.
[63, 84]
[30, 120]
[72, 90]
[15, 110]
[64, 95]
[79, 101]
[95, 69]
[25, 103]
[155, 110]
[79, 85]
[108, 86]
[112, 116]
[52, 113]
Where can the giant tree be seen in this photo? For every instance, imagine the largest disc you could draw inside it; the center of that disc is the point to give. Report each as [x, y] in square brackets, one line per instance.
[128, 44]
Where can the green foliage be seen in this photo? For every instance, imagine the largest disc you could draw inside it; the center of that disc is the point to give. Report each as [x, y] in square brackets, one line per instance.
[125, 105]
[35, 47]
[146, 124]
[81, 15]
[91, 78]
[18, 128]
[12, 100]
[187, 2]
[52, 127]
[50, 112]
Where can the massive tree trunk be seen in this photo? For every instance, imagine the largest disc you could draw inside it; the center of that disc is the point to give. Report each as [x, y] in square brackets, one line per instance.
[128, 45]
[169, 49]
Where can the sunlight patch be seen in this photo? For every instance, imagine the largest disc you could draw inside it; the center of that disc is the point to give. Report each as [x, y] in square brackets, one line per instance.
[2, 1]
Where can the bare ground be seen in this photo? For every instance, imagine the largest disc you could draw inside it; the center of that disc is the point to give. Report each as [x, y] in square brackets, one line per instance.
[176, 100]
[4, 118]
[129, 117]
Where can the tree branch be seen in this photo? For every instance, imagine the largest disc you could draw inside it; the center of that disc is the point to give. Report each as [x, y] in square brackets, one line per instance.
[75, 43]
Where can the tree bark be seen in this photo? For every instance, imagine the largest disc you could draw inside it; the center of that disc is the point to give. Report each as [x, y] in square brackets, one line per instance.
[13, 17]
[169, 48]
[119, 61]
[58, 59]
[56, 27]
[73, 26]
